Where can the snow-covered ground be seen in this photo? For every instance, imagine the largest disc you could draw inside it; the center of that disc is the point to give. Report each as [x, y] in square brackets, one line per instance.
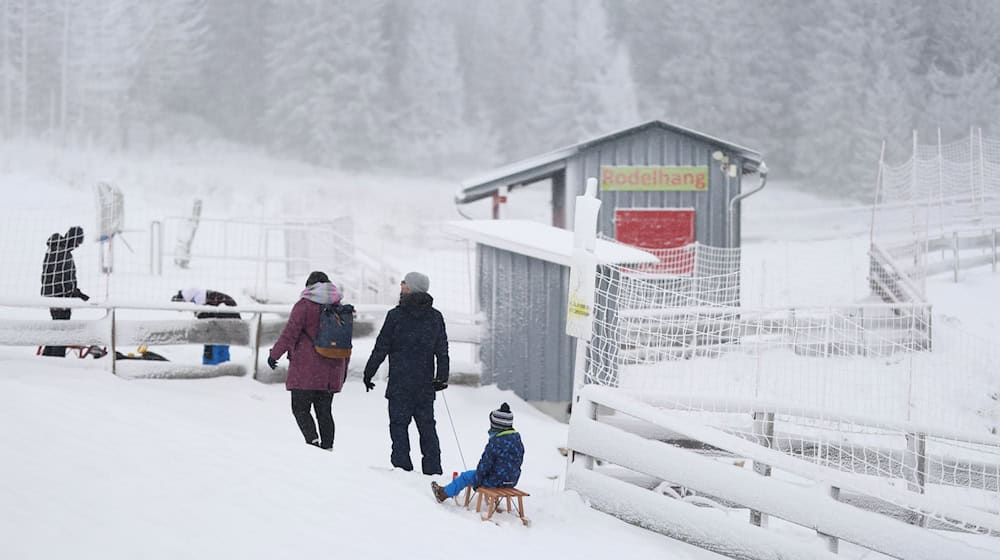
[98, 467]
[95, 466]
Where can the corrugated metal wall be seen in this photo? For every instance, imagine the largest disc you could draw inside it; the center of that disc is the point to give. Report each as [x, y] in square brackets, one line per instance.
[527, 349]
[656, 146]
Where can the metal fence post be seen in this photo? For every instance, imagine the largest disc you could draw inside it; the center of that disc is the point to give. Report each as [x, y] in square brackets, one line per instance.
[114, 346]
[915, 458]
[993, 252]
[954, 249]
[255, 345]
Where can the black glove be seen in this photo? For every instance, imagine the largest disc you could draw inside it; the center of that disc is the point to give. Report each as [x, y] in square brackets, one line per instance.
[368, 384]
[440, 385]
[272, 363]
[78, 294]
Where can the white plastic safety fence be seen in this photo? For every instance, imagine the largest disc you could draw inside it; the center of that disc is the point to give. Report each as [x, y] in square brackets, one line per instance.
[270, 256]
[776, 274]
[878, 391]
[248, 259]
[939, 210]
[635, 445]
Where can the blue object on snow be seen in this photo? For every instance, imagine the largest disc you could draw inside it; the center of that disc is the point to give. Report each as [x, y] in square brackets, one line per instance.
[215, 354]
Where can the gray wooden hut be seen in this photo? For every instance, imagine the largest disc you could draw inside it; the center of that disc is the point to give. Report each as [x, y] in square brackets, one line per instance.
[523, 285]
[694, 175]
[661, 186]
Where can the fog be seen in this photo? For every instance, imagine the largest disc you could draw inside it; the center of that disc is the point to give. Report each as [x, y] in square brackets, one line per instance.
[447, 87]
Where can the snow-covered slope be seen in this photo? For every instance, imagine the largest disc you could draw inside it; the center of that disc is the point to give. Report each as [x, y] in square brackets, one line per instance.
[98, 467]
[94, 466]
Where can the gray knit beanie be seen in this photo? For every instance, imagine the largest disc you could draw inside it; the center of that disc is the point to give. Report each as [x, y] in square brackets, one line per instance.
[502, 418]
[418, 283]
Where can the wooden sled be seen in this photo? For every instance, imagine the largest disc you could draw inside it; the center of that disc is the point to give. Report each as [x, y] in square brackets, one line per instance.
[493, 498]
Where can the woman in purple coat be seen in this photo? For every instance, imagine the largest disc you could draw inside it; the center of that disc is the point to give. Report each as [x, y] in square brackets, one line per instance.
[312, 378]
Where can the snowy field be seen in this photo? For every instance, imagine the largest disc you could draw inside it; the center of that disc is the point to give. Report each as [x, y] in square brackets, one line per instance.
[99, 467]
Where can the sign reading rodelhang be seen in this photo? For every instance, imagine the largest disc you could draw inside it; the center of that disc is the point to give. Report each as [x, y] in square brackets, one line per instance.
[653, 178]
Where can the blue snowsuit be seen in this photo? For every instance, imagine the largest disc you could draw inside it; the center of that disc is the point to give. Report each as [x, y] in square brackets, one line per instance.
[499, 467]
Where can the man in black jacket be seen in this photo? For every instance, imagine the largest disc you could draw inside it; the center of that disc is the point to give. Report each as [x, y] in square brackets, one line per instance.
[413, 337]
[59, 277]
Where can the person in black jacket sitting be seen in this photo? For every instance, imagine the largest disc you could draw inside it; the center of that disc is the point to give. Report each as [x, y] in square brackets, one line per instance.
[413, 337]
[59, 277]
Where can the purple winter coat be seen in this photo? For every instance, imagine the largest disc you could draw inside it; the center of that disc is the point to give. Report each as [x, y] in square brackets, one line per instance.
[307, 369]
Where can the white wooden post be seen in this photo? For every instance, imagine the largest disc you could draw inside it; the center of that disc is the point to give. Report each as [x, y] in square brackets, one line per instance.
[763, 430]
[582, 285]
[832, 542]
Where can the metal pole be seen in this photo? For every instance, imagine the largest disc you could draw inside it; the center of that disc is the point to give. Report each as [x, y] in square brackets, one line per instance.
[114, 346]
[878, 189]
[453, 431]
[972, 164]
[940, 184]
[954, 249]
[916, 459]
[914, 192]
[993, 253]
[256, 345]
[762, 170]
[159, 243]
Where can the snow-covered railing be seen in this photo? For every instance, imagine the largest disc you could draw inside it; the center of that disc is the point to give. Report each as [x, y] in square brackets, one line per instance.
[782, 498]
[890, 281]
[961, 250]
[114, 330]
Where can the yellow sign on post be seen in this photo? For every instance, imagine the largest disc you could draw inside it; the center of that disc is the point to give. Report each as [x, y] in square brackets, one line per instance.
[653, 178]
[580, 304]
[583, 268]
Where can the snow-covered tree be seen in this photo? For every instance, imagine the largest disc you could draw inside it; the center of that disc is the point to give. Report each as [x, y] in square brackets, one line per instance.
[325, 69]
[497, 50]
[602, 86]
[233, 82]
[970, 98]
[429, 120]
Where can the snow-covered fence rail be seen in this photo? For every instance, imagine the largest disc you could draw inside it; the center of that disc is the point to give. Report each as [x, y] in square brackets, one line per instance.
[258, 327]
[783, 497]
[898, 271]
[960, 250]
[891, 281]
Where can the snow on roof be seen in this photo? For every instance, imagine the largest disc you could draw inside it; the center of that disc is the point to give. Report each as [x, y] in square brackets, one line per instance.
[540, 166]
[541, 241]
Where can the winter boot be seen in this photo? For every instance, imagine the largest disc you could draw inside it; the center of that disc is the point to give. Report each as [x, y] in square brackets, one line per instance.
[314, 442]
[439, 492]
